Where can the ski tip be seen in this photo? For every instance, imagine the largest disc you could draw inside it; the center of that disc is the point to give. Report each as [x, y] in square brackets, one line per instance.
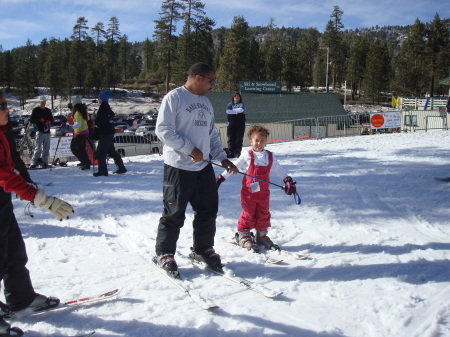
[446, 179]
[276, 295]
[86, 335]
[273, 261]
[112, 292]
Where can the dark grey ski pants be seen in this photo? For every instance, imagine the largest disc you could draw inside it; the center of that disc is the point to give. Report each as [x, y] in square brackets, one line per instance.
[180, 188]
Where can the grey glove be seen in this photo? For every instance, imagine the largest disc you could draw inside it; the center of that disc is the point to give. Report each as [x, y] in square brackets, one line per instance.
[59, 208]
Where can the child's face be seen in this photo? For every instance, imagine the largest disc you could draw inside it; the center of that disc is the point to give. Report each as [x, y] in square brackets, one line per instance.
[258, 141]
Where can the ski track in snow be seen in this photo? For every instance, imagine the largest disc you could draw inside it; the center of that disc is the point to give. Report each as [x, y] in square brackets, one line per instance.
[372, 218]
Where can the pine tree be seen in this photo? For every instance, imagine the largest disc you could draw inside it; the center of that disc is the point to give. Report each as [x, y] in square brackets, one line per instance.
[255, 61]
[112, 70]
[272, 51]
[308, 47]
[6, 69]
[98, 32]
[377, 75]
[332, 38]
[233, 62]
[149, 58]
[290, 64]
[80, 30]
[438, 52]
[78, 56]
[195, 44]
[25, 75]
[164, 35]
[53, 68]
[412, 68]
[356, 65]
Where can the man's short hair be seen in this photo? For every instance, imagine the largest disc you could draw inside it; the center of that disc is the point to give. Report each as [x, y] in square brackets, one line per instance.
[201, 69]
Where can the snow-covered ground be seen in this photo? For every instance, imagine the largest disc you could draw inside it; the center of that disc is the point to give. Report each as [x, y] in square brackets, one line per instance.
[374, 221]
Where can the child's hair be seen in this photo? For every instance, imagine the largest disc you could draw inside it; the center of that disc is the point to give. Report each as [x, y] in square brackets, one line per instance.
[258, 129]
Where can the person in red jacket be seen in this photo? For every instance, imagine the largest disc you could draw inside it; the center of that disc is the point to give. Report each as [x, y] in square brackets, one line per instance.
[18, 289]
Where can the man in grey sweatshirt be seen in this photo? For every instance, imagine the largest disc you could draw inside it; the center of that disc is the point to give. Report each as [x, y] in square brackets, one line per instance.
[185, 124]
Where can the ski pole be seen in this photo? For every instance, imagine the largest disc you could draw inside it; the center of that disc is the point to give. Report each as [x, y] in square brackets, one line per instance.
[297, 198]
[57, 145]
[245, 174]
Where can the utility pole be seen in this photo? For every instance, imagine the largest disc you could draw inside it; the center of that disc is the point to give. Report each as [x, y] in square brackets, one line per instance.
[328, 62]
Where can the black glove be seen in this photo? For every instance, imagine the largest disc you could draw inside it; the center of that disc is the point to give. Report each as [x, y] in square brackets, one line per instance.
[219, 180]
[289, 186]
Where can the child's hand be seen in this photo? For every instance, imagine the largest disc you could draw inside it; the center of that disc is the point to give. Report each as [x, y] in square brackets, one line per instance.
[219, 180]
[289, 186]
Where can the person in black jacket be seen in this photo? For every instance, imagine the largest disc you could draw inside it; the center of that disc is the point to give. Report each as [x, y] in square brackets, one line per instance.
[42, 117]
[104, 123]
[19, 165]
[236, 125]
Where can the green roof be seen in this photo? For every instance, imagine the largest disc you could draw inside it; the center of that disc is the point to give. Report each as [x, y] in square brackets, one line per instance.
[268, 108]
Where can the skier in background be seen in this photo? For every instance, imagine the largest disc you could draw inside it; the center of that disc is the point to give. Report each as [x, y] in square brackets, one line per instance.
[104, 123]
[81, 133]
[42, 117]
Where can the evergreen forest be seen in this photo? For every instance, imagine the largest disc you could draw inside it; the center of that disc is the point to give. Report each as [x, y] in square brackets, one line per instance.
[401, 60]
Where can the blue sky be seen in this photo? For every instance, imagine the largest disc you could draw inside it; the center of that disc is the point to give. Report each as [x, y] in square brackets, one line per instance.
[36, 20]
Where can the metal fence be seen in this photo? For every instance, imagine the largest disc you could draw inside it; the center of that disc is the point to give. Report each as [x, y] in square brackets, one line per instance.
[306, 128]
[345, 126]
[126, 144]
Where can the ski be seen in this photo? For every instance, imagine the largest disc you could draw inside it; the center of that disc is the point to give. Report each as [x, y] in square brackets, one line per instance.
[296, 256]
[89, 334]
[179, 281]
[229, 275]
[447, 179]
[69, 304]
[269, 260]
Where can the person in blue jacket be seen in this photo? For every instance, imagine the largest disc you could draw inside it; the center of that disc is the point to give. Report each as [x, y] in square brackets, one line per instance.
[236, 125]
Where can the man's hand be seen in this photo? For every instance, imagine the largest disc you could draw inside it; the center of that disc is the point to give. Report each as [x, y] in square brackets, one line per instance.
[196, 155]
[231, 168]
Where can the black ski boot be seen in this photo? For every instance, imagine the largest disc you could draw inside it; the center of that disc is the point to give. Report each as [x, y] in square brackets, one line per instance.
[42, 303]
[121, 170]
[168, 264]
[5, 327]
[209, 256]
[5, 311]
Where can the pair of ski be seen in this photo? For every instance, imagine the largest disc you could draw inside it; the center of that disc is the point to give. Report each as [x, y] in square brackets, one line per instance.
[273, 256]
[69, 304]
[180, 282]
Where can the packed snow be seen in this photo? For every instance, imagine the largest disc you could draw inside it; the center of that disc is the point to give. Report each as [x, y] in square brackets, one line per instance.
[375, 223]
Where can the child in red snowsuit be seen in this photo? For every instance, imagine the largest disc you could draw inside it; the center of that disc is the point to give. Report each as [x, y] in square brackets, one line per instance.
[255, 193]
